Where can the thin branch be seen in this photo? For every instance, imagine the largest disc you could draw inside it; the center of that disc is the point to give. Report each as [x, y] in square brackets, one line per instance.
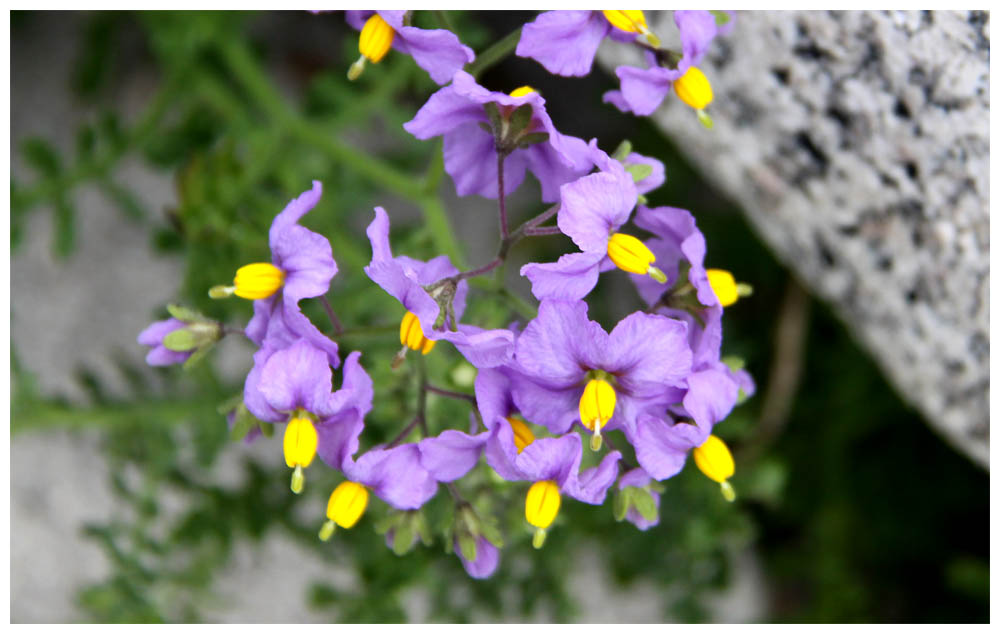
[338, 328]
[501, 201]
[450, 394]
[542, 231]
[406, 432]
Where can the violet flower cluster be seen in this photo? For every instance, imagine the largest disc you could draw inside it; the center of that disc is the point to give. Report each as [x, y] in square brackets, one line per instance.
[550, 393]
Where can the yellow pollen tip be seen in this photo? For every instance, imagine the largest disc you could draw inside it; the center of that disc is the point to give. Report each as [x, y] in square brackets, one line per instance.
[259, 280]
[629, 21]
[298, 480]
[694, 89]
[522, 91]
[631, 255]
[542, 504]
[376, 39]
[724, 285]
[538, 539]
[346, 505]
[716, 462]
[326, 531]
[597, 405]
[300, 442]
[522, 434]
[412, 336]
[221, 291]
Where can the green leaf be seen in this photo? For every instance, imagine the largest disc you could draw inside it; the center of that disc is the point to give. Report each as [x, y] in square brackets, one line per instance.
[180, 340]
[467, 544]
[126, 200]
[85, 141]
[643, 502]
[40, 154]
[639, 171]
[65, 231]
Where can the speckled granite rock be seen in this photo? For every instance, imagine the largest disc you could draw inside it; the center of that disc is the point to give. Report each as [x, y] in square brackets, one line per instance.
[858, 144]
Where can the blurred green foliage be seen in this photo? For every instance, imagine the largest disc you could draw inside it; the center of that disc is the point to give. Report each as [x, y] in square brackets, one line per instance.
[858, 512]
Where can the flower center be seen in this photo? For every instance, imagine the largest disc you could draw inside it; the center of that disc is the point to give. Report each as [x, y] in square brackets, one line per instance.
[300, 448]
[715, 461]
[522, 91]
[597, 406]
[259, 280]
[346, 506]
[541, 507]
[522, 433]
[631, 255]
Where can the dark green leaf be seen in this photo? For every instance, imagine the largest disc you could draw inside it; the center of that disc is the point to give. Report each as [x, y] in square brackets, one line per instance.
[40, 155]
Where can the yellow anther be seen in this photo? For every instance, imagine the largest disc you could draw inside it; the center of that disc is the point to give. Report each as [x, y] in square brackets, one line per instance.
[376, 38]
[631, 255]
[300, 442]
[715, 461]
[412, 336]
[259, 280]
[522, 434]
[522, 91]
[724, 285]
[542, 504]
[632, 22]
[693, 89]
[597, 406]
[347, 504]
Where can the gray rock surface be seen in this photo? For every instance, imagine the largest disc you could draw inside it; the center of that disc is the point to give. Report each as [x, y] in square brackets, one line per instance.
[858, 144]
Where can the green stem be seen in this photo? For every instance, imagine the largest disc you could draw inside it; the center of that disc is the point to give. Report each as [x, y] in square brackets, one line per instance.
[494, 54]
[48, 415]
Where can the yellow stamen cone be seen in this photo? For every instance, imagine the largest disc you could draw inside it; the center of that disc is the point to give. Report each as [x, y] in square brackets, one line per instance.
[376, 38]
[694, 89]
[522, 434]
[724, 285]
[300, 444]
[259, 280]
[632, 21]
[597, 406]
[716, 462]
[542, 504]
[347, 504]
[412, 336]
[631, 255]
[522, 91]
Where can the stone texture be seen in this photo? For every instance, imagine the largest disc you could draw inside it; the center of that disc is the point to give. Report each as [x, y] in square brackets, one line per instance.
[858, 145]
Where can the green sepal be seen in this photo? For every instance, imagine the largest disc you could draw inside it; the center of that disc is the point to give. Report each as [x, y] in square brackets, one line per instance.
[467, 544]
[491, 532]
[402, 539]
[267, 429]
[241, 427]
[622, 151]
[639, 171]
[387, 523]
[520, 119]
[197, 357]
[229, 404]
[185, 314]
[181, 340]
[493, 114]
[643, 502]
[734, 363]
[422, 528]
[527, 140]
[641, 200]
[721, 17]
[620, 503]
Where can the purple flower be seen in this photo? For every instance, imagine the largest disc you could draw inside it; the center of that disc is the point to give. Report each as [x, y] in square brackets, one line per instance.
[295, 386]
[641, 480]
[153, 336]
[470, 152]
[592, 209]
[451, 454]
[565, 42]
[408, 281]
[438, 51]
[569, 368]
[657, 176]
[642, 90]
[486, 561]
[306, 262]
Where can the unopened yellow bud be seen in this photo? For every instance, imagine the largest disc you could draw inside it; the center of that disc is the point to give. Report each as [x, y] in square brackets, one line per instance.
[631, 255]
[376, 38]
[412, 336]
[724, 285]
[715, 461]
[259, 280]
[347, 504]
[522, 91]
[597, 406]
[542, 504]
[694, 89]
[522, 434]
[300, 442]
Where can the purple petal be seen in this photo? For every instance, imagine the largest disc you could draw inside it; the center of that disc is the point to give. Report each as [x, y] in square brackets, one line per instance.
[555, 409]
[338, 437]
[616, 99]
[450, 107]
[656, 178]
[555, 459]
[470, 159]
[355, 392]
[592, 485]
[395, 475]
[481, 348]
[561, 344]
[437, 51]
[154, 333]
[644, 89]
[160, 356]
[555, 167]
[661, 448]
[307, 260]
[647, 352]
[493, 396]
[594, 207]
[570, 278]
[564, 42]
[253, 398]
[697, 30]
[293, 211]
[298, 376]
[452, 454]
[711, 396]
